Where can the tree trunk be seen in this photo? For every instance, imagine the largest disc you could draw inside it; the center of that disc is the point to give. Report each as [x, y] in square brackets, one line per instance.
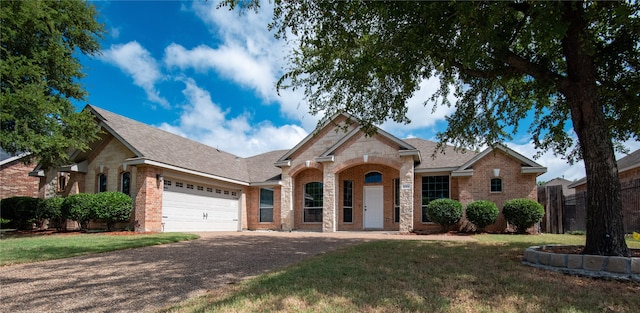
[605, 231]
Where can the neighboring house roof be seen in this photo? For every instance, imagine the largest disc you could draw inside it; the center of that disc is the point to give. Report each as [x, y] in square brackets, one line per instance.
[629, 162]
[561, 182]
[152, 144]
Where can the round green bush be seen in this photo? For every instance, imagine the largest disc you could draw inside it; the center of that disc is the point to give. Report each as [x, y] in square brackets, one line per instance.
[482, 213]
[51, 209]
[78, 207]
[112, 207]
[19, 212]
[523, 213]
[445, 212]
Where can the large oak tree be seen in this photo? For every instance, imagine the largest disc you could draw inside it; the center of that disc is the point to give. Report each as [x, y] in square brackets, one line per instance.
[39, 43]
[561, 65]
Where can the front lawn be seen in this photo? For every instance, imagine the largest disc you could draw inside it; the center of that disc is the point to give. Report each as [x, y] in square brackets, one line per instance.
[423, 276]
[41, 248]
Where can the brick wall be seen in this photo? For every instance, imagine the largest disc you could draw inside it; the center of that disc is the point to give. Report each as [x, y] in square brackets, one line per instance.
[515, 184]
[15, 180]
[253, 207]
[148, 201]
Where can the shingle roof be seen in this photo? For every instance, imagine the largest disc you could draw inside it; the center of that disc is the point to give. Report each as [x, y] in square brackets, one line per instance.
[261, 167]
[164, 147]
[630, 161]
[448, 159]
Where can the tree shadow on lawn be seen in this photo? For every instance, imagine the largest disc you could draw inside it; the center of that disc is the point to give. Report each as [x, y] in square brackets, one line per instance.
[145, 279]
[410, 276]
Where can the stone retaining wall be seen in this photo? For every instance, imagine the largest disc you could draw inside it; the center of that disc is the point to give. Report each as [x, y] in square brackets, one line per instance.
[611, 267]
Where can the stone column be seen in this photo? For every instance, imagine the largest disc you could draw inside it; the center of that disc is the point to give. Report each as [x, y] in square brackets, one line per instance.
[406, 194]
[329, 195]
[286, 200]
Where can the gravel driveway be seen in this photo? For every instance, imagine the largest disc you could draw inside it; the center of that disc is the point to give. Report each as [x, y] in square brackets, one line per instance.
[144, 279]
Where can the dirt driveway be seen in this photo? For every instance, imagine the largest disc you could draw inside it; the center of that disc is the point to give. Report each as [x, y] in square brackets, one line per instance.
[144, 279]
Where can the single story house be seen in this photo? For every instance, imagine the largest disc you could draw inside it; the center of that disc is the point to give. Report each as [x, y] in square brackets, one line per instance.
[336, 179]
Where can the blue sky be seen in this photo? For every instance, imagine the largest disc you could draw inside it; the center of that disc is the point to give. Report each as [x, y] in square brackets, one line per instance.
[209, 74]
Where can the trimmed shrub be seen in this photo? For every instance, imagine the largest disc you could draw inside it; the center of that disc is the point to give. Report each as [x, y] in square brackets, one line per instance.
[482, 213]
[51, 209]
[523, 213]
[445, 212]
[112, 207]
[78, 207]
[19, 211]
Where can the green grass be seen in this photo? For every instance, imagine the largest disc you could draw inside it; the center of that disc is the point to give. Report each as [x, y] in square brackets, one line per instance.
[50, 247]
[423, 276]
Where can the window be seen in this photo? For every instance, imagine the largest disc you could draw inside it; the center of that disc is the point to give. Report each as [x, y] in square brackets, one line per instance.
[209, 189]
[102, 183]
[200, 188]
[179, 184]
[63, 179]
[396, 200]
[233, 193]
[226, 192]
[189, 186]
[266, 205]
[347, 201]
[312, 203]
[167, 182]
[373, 177]
[125, 184]
[433, 187]
[496, 185]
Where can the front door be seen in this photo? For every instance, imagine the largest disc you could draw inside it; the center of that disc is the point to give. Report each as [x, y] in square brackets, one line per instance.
[373, 207]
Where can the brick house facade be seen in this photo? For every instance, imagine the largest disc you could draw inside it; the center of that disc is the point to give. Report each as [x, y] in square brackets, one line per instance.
[336, 179]
[15, 179]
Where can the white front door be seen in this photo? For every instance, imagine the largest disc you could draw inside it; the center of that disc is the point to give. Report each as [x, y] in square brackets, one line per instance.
[373, 207]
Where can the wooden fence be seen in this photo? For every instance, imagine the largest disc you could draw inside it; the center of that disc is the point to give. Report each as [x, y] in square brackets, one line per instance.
[569, 213]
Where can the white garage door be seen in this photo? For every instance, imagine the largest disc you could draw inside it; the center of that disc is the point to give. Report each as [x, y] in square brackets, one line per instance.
[188, 207]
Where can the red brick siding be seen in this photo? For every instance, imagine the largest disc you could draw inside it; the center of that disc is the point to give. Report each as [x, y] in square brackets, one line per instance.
[301, 178]
[253, 207]
[15, 180]
[356, 174]
[148, 201]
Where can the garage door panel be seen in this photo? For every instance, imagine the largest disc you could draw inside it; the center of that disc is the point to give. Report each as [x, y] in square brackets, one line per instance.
[192, 212]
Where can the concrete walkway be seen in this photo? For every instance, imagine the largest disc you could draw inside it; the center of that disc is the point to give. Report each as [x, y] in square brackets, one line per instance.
[145, 279]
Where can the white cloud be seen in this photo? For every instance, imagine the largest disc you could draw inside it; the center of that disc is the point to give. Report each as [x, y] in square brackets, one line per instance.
[137, 62]
[206, 122]
[422, 117]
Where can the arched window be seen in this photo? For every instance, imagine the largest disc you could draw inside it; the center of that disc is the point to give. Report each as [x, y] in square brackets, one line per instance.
[125, 186]
[372, 177]
[102, 183]
[496, 185]
[312, 212]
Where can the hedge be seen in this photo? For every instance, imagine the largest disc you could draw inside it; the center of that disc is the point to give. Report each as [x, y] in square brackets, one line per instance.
[523, 213]
[445, 212]
[482, 213]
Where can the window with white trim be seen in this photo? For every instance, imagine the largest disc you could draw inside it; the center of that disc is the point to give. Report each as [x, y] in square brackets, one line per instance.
[396, 200]
[266, 205]
[496, 185]
[125, 183]
[433, 187]
[102, 182]
[347, 201]
[312, 210]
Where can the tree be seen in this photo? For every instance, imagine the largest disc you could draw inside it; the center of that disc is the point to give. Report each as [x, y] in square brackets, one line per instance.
[505, 61]
[40, 77]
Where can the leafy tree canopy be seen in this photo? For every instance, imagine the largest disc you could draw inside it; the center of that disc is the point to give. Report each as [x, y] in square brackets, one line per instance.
[503, 61]
[40, 74]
